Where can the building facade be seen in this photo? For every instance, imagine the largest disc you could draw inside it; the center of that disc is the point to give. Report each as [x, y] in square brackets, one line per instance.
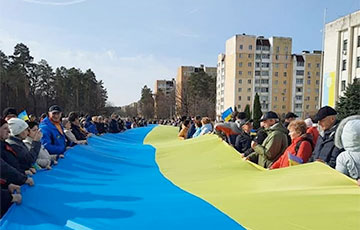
[341, 57]
[266, 66]
[164, 103]
[183, 74]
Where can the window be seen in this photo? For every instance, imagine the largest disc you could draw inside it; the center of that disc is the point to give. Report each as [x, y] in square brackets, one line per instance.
[275, 107]
[263, 98]
[257, 73]
[250, 47]
[265, 56]
[317, 82]
[318, 74]
[240, 55]
[286, 57]
[250, 56]
[286, 49]
[265, 73]
[316, 98]
[300, 64]
[300, 72]
[299, 81]
[249, 81]
[240, 81]
[275, 98]
[249, 64]
[276, 57]
[258, 56]
[308, 74]
[277, 65]
[276, 74]
[308, 81]
[285, 74]
[343, 85]
[285, 66]
[284, 82]
[257, 81]
[240, 64]
[249, 73]
[277, 49]
[309, 65]
[307, 106]
[239, 98]
[357, 62]
[308, 90]
[298, 98]
[318, 65]
[240, 89]
[240, 72]
[257, 64]
[241, 47]
[283, 107]
[264, 81]
[299, 89]
[307, 98]
[239, 106]
[276, 82]
[358, 41]
[265, 65]
[284, 98]
[248, 98]
[345, 45]
[298, 106]
[344, 65]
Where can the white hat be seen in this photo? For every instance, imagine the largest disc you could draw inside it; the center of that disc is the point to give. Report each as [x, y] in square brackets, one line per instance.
[308, 122]
[17, 126]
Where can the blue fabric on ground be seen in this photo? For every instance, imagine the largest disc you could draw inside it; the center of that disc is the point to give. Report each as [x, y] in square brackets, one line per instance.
[112, 183]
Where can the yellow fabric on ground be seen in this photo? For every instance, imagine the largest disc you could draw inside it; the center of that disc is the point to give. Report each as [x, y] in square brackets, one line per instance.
[308, 196]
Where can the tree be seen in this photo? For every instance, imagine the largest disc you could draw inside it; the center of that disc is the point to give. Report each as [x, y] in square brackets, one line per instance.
[257, 113]
[147, 103]
[349, 104]
[247, 111]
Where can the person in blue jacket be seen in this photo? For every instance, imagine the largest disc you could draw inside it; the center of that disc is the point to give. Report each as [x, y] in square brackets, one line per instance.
[53, 139]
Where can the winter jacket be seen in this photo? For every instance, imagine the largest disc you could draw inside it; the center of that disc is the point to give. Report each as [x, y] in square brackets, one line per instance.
[6, 199]
[304, 152]
[191, 131]
[183, 133]
[348, 137]
[10, 174]
[273, 146]
[77, 132]
[325, 148]
[314, 132]
[197, 132]
[70, 136]
[26, 157]
[207, 128]
[114, 126]
[9, 155]
[243, 143]
[100, 127]
[90, 126]
[44, 158]
[53, 141]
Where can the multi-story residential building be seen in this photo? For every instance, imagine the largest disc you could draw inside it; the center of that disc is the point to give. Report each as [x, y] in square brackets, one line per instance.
[165, 104]
[306, 83]
[341, 57]
[183, 74]
[264, 66]
[166, 86]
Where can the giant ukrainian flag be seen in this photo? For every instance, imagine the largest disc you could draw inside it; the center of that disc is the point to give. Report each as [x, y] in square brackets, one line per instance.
[146, 178]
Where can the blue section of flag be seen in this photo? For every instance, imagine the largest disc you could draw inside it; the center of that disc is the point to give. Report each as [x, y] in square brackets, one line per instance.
[23, 115]
[294, 160]
[112, 183]
[226, 115]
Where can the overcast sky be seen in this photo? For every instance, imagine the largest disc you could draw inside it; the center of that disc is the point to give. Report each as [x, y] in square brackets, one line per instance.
[129, 44]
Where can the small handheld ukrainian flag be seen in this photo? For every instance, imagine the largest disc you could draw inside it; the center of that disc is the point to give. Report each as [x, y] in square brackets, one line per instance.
[226, 115]
[23, 115]
[294, 160]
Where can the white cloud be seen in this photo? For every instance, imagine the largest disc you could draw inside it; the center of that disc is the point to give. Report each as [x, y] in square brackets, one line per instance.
[123, 76]
[54, 3]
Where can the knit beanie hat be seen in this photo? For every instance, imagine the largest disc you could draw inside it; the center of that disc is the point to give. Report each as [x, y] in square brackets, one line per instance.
[17, 126]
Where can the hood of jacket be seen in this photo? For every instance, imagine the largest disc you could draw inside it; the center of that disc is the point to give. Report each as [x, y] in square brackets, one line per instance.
[348, 134]
[278, 127]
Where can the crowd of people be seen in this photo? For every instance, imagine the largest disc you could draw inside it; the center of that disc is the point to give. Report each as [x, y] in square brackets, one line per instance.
[278, 144]
[38, 144]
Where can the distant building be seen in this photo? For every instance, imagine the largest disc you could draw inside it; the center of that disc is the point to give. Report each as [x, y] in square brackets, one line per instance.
[341, 57]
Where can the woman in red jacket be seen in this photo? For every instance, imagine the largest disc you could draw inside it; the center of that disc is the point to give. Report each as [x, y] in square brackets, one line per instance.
[301, 145]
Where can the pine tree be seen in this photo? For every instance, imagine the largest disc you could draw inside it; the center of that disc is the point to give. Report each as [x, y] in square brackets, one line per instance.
[349, 104]
[247, 111]
[257, 113]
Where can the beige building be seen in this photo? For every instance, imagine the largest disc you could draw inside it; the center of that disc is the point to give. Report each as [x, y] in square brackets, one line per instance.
[166, 86]
[341, 57]
[265, 66]
[164, 105]
[183, 74]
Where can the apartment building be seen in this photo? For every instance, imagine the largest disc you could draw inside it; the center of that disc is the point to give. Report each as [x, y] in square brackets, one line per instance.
[183, 74]
[166, 86]
[341, 57]
[265, 66]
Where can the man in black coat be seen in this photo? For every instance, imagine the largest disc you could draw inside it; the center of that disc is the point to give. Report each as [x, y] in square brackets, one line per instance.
[325, 149]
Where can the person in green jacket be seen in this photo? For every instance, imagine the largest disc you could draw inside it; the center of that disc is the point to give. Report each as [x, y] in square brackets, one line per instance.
[275, 143]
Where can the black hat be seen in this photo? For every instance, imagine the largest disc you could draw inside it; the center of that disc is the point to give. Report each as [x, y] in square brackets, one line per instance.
[241, 115]
[245, 121]
[55, 108]
[291, 115]
[9, 111]
[324, 112]
[269, 115]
